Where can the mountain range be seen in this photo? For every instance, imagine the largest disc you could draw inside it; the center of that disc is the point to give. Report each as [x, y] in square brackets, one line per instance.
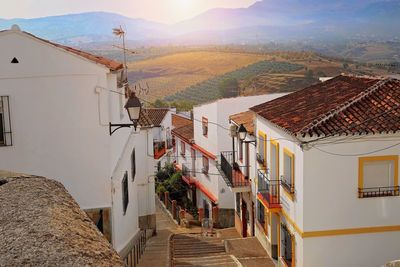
[309, 21]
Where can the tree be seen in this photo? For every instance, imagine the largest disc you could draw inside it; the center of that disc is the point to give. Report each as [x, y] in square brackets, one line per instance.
[228, 87]
[309, 75]
[320, 73]
[159, 103]
[182, 105]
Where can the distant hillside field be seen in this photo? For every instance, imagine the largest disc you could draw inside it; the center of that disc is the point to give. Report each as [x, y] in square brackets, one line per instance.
[208, 90]
[195, 76]
[167, 75]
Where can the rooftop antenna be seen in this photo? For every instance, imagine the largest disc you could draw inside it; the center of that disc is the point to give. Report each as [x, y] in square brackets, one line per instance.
[124, 75]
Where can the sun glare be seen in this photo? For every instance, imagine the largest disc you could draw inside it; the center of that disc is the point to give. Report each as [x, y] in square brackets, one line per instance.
[184, 4]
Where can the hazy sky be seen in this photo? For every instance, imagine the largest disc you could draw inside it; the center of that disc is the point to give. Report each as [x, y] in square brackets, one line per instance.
[166, 11]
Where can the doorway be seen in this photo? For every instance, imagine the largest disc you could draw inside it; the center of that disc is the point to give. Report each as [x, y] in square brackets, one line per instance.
[244, 218]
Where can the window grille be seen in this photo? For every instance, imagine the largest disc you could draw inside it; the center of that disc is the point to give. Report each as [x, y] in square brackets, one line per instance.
[133, 165]
[205, 126]
[125, 192]
[286, 245]
[238, 204]
[261, 214]
[5, 122]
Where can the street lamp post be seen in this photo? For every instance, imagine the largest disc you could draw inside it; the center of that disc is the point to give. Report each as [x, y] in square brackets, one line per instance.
[133, 107]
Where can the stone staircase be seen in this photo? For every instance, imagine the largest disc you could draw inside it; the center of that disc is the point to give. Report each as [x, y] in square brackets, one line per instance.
[196, 250]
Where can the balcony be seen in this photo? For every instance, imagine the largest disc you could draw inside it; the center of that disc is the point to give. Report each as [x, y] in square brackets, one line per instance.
[260, 159]
[170, 143]
[159, 149]
[378, 191]
[186, 176]
[287, 185]
[233, 174]
[268, 190]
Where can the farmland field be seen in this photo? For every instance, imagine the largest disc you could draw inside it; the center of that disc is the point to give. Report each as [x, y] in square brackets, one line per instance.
[195, 75]
[167, 75]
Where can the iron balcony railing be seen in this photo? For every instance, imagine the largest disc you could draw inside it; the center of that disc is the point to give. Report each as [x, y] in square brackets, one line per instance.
[378, 191]
[170, 143]
[185, 171]
[260, 159]
[159, 149]
[288, 185]
[235, 174]
[269, 189]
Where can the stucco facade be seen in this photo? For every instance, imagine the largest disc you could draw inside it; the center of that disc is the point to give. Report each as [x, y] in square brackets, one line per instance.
[329, 223]
[60, 107]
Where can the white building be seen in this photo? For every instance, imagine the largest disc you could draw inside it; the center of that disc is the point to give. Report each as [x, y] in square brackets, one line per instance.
[328, 156]
[198, 147]
[55, 109]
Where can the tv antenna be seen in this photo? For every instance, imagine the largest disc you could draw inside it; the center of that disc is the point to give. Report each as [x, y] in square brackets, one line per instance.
[123, 82]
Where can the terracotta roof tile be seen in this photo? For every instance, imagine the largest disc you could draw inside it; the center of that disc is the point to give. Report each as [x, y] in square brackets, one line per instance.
[109, 63]
[144, 119]
[185, 132]
[246, 118]
[179, 121]
[156, 115]
[337, 106]
[42, 225]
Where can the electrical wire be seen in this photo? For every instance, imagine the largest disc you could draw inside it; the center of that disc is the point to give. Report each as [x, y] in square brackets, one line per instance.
[343, 140]
[359, 154]
[353, 126]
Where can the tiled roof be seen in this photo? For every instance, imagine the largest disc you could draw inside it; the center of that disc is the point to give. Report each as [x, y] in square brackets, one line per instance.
[179, 121]
[185, 132]
[246, 118]
[42, 225]
[109, 63]
[144, 119]
[342, 105]
[156, 115]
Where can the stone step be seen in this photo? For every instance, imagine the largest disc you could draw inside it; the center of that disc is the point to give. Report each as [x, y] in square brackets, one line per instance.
[208, 259]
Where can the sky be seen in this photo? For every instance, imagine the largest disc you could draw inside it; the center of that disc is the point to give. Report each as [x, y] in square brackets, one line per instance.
[164, 11]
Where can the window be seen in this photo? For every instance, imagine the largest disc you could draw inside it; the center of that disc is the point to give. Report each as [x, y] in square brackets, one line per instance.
[262, 149]
[5, 122]
[182, 148]
[274, 160]
[205, 165]
[204, 123]
[378, 176]
[193, 155]
[133, 165]
[288, 173]
[238, 204]
[261, 214]
[287, 246]
[125, 192]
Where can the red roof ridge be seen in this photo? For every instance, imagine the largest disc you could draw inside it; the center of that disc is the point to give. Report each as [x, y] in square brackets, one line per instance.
[344, 105]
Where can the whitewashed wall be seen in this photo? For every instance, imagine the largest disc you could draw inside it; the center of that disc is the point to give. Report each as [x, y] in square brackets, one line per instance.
[362, 250]
[331, 183]
[60, 108]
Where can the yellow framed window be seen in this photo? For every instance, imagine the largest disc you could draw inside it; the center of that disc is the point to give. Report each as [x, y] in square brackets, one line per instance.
[262, 149]
[274, 159]
[378, 176]
[288, 173]
[287, 246]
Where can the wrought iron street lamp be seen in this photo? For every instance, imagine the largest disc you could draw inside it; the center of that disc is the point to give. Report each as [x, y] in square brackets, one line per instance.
[133, 107]
[242, 132]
